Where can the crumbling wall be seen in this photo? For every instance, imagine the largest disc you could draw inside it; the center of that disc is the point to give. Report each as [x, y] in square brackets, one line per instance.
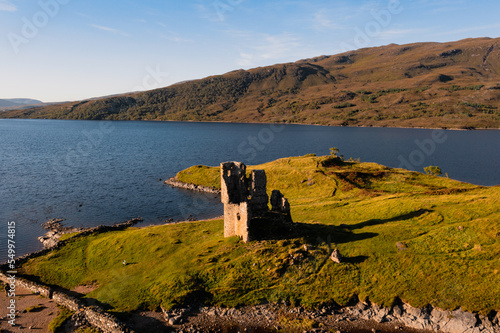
[237, 220]
[258, 192]
[234, 196]
[94, 315]
[246, 199]
[280, 204]
[234, 184]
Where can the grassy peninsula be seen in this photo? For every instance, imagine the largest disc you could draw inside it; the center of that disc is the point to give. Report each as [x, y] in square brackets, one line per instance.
[451, 85]
[424, 239]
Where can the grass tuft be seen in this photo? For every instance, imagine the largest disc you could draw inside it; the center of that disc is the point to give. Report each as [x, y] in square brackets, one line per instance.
[63, 315]
[34, 308]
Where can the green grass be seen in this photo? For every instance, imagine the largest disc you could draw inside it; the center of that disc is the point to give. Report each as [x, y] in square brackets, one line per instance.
[86, 330]
[34, 308]
[201, 175]
[451, 230]
[66, 236]
[63, 315]
[299, 325]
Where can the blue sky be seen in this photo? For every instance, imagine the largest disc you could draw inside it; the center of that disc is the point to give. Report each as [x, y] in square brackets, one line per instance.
[57, 50]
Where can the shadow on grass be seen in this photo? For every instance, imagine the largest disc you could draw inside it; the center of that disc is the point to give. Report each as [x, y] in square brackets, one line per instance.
[272, 228]
[322, 233]
[403, 217]
[354, 260]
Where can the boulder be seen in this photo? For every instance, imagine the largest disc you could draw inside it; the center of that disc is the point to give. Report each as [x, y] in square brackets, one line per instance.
[401, 246]
[459, 322]
[336, 256]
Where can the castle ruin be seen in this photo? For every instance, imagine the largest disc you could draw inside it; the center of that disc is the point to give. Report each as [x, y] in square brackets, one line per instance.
[245, 200]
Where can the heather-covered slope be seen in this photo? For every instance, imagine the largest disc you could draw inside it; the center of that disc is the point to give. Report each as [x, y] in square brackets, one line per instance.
[452, 85]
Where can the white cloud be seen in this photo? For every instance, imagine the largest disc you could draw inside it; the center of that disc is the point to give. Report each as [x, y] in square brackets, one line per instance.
[321, 21]
[7, 6]
[210, 13]
[83, 15]
[269, 49]
[108, 29]
[217, 10]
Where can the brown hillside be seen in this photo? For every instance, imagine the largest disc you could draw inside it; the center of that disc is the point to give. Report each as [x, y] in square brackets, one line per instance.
[452, 85]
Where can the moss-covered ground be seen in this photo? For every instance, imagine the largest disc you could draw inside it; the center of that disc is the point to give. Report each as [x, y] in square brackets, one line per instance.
[424, 239]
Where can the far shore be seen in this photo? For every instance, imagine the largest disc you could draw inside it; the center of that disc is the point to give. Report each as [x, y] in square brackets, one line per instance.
[266, 123]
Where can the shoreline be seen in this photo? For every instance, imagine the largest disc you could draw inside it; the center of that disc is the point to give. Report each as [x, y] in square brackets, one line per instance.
[174, 183]
[269, 123]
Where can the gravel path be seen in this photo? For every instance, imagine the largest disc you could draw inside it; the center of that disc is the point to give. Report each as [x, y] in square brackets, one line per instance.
[34, 321]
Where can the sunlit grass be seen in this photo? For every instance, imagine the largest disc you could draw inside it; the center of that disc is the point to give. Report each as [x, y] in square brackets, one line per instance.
[451, 231]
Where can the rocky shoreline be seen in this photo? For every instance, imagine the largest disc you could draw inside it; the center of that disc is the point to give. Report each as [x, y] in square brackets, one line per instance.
[55, 230]
[358, 317]
[175, 183]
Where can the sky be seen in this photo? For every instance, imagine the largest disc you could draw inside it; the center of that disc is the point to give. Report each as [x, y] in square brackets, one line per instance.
[67, 50]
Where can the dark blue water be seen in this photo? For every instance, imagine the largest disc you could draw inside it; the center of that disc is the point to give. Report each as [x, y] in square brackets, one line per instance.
[92, 172]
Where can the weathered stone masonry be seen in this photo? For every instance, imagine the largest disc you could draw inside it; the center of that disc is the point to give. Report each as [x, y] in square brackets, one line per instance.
[245, 200]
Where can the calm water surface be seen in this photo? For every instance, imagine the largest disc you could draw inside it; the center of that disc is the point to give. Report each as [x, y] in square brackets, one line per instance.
[92, 172]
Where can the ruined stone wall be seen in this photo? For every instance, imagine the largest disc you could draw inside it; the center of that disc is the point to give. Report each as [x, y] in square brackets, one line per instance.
[94, 315]
[245, 199]
[234, 184]
[242, 221]
[236, 219]
[280, 205]
[234, 196]
[258, 192]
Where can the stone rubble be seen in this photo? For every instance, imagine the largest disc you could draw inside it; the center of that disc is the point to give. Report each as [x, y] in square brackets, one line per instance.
[401, 316]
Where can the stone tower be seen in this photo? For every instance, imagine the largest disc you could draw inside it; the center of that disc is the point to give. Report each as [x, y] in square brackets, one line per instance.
[245, 200]
[258, 192]
[234, 196]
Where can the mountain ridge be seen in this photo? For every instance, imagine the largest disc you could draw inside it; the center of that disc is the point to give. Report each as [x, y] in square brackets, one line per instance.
[13, 102]
[449, 85]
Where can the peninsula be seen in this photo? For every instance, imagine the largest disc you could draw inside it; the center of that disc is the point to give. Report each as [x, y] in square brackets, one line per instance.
[419, 245]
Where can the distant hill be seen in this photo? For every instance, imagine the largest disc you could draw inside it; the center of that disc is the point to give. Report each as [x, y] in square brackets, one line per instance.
[17, 103]
[451, 85]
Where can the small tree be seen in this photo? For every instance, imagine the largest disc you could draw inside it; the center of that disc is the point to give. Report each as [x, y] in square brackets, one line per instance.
[334, 158]
[334, 152]
[433, 170]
